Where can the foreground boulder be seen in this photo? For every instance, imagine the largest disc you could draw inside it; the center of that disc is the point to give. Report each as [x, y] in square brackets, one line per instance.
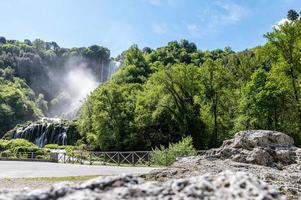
[261, 147]
[225, 185]
[267, 155]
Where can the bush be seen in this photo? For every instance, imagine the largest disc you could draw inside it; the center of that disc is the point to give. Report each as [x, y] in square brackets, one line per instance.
[65, 147]
[53, 146]
[15, 144]
[167, 156]
[11, 148]
[3, 144]
[6, 154]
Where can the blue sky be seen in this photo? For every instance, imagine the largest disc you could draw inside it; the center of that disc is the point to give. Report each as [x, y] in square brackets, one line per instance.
[117, 24]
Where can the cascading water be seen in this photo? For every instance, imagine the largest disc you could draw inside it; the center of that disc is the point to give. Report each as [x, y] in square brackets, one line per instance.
[45, 131]
[113, 67]
[54, 130]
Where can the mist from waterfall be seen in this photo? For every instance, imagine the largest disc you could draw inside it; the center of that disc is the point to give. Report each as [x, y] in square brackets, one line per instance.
[76, 84]
[76, 81]
[79, 82]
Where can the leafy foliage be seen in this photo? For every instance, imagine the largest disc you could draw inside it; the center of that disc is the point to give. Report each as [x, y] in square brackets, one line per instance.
[160, 96]
[17, 103]
[167, 156]
[27, 88]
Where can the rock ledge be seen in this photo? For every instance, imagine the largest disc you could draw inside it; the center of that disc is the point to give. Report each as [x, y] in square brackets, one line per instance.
[261, 147]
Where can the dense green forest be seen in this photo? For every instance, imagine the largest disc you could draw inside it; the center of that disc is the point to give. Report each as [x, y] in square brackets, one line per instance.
[32, 74]
[162, 95]
[158, 97]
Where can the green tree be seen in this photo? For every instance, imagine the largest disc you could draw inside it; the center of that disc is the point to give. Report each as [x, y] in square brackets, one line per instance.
[135, 68]
[168, 104]
[215, 100]
[292, 15]
[287, 40]
[112, 114]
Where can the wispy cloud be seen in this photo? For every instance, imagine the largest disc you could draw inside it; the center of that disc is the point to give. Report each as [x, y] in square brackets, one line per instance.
[211, 17]
[231, 12]
[281, 22]
[194, 30]
[160, 29]
[161, 2]
[214, 15]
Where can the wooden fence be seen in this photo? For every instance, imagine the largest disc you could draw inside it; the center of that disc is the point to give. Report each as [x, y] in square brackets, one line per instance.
[140, 158]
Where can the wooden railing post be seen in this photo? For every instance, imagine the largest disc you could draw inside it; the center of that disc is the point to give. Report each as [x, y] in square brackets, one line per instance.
[118, 158]
[133, 159]
[90, 158]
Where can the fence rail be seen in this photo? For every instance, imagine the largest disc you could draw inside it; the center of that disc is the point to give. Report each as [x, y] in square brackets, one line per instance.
[141, 158]
[30, 156]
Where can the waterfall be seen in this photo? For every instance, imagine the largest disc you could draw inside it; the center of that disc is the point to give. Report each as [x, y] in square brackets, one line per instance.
[45, 131]
[113, 67]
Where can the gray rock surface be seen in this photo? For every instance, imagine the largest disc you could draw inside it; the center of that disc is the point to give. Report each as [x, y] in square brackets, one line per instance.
[225, 185]
[267, 155]
[262, 147]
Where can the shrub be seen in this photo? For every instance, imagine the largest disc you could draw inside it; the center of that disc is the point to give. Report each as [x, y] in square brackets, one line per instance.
[15, 144]
[6, 153]
[167, 156]
[3, 144]
[53, 146]
[65, 147]
[20, 147]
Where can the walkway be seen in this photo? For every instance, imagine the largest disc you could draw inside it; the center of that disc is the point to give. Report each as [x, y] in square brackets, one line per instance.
[24, 169]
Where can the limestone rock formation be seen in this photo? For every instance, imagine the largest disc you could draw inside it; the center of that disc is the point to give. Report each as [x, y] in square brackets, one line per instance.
[262, 147]
[225, 185]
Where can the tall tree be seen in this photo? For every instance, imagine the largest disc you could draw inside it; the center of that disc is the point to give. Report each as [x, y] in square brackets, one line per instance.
[215, 81]
[287, 40]
[292, 15]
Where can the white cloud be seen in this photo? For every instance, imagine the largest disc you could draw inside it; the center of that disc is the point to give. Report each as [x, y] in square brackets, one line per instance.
[162, 2]
[160, 29]
[155, 2]
[281, 22]
[194, 30]
[231, 12]
[215, 15]
[223, 12]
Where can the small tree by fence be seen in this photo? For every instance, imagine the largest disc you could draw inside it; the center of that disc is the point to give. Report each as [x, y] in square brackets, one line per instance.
[167, 156]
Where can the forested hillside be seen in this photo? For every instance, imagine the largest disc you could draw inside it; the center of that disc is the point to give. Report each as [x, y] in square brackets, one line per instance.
[34, 78]
[162, 95]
